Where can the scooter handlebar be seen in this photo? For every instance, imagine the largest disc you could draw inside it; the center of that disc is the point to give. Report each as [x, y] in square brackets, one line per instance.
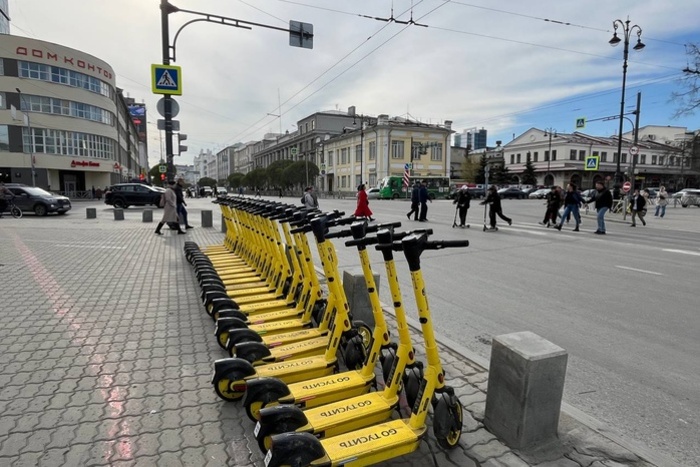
[440, 244]
[303, 229]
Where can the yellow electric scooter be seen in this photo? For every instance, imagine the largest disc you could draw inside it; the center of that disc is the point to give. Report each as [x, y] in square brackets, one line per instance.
[388, 440]
[347, 413]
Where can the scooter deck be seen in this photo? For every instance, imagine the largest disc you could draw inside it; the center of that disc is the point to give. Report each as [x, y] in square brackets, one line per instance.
[270, 305]
[246, 280]
[250, 299]
[293, 371]
[295, 350]
[322, 391]
[246, 285]
[243, 292]
[277, 315]
[349, 414]
[373, 444]
[285, 336]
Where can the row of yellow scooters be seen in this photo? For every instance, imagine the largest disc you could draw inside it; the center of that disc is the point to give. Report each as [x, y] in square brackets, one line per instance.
[287, 341]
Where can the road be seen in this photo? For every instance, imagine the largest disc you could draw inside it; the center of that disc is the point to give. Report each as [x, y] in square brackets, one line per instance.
[623, 305]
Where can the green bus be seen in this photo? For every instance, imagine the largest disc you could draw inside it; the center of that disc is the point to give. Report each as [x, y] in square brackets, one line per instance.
[392, 187]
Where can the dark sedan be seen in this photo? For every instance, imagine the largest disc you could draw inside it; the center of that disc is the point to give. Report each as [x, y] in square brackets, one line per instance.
[37, 200]
[511, 193]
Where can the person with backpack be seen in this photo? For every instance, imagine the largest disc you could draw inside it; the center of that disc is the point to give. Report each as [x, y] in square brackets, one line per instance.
[169, 200]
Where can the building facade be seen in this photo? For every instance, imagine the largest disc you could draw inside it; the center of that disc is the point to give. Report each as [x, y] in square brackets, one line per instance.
[666, 156]
[471, 138]
[63, 124]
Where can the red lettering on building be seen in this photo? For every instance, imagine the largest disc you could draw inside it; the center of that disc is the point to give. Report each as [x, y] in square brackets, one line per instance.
[81, 64]
[37, 53]
[91, 67]
[84, 164]
[51, 56]
[48, 55]
[68, 60]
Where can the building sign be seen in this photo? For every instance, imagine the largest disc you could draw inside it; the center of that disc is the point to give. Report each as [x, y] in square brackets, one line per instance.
[84, 164]
[65, 60]
[138, 116]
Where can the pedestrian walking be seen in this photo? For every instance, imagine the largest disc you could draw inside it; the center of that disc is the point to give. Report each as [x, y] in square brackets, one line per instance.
[308, 198]
[363, 209]
[661, 202]
[98, 193]
[463, 200]
[181, 210]
[572, 201]
[415, 202]
[169, 210]
[638, 207]
[5, 195]
[94, 194]
[494, 202]
[423, 198]
[603, 203]
[553, 201]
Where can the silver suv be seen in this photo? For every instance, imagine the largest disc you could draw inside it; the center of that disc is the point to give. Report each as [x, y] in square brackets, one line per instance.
[690, 198]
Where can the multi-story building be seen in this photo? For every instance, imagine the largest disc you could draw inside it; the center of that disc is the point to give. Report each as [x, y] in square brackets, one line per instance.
[471, 138]
[205, 164]
[664, 157]
[4, 17]
[63, 124]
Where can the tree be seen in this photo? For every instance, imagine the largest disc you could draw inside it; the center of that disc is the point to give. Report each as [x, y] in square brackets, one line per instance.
[255, 178]
[529, 177]
[206, 181]
[689, 98]
[235, 180]
[499, 174]
[154, 176]
[296, 173]
[470, 170]
[275, 171]
[480, 177]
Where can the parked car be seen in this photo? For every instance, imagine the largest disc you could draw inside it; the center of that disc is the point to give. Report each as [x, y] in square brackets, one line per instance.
[208, 191]
[511, 193]
[587, 195]
[539, 194]
[123, 195]
[373, 193]
[221, 191]
[679, 194]
[38, 200]
[690, 198]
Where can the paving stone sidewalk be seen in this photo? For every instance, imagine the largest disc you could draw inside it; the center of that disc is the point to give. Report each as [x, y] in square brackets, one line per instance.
[106, 357]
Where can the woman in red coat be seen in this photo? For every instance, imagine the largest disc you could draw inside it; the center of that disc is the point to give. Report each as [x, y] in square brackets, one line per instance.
[363, 209]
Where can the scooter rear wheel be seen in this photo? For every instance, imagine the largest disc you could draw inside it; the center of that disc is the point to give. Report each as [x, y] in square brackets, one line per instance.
[253, 409]
[223, 386]
[447, 421]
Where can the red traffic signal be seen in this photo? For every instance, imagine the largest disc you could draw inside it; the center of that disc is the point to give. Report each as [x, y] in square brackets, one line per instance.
[162, 176]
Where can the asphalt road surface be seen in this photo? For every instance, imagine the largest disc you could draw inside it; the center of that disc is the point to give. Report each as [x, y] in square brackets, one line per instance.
[624, 305]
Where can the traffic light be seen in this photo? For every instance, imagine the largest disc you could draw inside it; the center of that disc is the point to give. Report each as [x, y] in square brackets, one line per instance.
[181, 148]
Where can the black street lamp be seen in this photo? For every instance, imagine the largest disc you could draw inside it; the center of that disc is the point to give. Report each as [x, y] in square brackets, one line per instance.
[626, 32]
[550, 133]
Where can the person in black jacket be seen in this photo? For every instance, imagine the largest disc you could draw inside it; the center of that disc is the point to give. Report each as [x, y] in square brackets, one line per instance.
[423, 198]
[462, 200]
[572, 201]
[638, 207]
[603, 202]
[553, 200]
[180, 200]
[494, 202]
[415, 197]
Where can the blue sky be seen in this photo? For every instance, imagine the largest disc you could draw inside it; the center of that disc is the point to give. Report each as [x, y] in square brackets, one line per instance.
[505, 68]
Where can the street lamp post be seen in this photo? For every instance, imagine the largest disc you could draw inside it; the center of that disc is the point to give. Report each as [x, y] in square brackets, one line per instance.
[551, 133]
[626, 32]
[29, 130]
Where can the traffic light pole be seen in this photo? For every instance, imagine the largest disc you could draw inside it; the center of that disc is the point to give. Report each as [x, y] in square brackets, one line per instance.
[165, 9]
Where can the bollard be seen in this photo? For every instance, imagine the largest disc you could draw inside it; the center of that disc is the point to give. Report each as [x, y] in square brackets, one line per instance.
[207, 219]
[358, 297]
[223, 224]
[525, 388]
[91, 213]
[118, 214]
[147, 215]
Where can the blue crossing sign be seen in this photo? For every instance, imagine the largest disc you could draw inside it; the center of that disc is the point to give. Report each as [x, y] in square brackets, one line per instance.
[592, 162]
[166, 79]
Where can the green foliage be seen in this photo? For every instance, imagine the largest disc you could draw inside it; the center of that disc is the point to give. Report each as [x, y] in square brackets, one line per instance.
[296, 173]
[275, 173]
[480, 177]
[529, 177]
[470, 170]
[256, 178]
[206, 181]
[235, 180]
[688, 98]
[499, 175]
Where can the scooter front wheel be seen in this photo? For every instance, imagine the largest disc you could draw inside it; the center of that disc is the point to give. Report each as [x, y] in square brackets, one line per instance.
[224, 387]
[447, 421]
[253, 409]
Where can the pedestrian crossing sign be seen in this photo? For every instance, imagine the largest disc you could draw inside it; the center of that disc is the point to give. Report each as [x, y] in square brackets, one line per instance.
[166, 79]
[592, 162]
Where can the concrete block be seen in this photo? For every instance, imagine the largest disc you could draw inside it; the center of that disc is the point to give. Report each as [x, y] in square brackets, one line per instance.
[207, 219]
[223, 224]
[358, 296]
[118, 214]
[525, 388]
[91, 213]
[147, 215]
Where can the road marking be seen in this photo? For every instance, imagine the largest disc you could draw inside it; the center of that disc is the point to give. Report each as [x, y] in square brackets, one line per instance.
[684, 252]
[524, 230]
[640, 270]
[99, 247]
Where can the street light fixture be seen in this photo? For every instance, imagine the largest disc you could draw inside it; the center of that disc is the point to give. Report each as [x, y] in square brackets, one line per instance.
[29, 130]
[550, 133]
[626, 32]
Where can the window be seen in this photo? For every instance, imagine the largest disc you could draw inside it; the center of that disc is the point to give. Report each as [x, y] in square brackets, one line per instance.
[67, 143]
[358, 153]
[4, 139]
[518, 158]
[2, 67]
[330, 158]
[344, 156]
[60, 75]
[512, 158]
[653, 159]
[604, 156]
[358, 180]
[572, 155]
[554, 155]
[372, 150]
[614, 157]
[546, 156]
[397, 149]
[624, 158]
[313, 125]
[644, 159]
[661, 160]
[417, 150]
[582, 155]
[436, 152]
[534, 156]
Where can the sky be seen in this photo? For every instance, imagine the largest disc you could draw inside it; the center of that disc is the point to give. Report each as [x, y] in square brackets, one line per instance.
[505, 66]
